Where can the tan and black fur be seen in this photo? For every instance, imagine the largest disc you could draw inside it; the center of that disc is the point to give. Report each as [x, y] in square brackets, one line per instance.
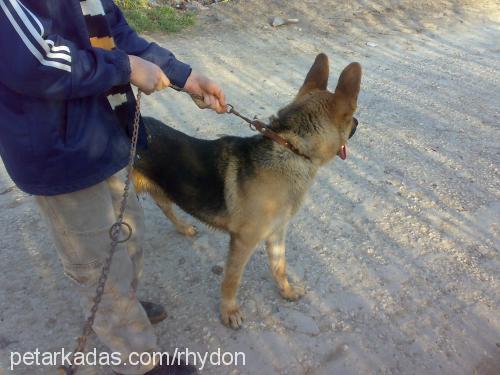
[251, 187]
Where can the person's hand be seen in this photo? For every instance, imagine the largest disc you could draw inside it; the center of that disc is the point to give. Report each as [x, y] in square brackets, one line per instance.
[148, 77]
[212, 94]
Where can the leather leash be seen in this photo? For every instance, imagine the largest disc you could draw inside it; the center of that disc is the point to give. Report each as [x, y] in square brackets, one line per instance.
[255, 125]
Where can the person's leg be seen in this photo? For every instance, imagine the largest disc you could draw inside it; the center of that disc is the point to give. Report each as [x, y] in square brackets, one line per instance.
[80, 225]
[134, 215]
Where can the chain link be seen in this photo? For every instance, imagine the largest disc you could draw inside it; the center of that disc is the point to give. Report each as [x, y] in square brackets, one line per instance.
[114, 233]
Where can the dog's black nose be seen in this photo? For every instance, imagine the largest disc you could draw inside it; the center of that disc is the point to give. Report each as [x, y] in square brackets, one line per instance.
[354, 126]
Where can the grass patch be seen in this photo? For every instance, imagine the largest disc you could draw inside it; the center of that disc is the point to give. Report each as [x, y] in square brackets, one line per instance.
[143, 17]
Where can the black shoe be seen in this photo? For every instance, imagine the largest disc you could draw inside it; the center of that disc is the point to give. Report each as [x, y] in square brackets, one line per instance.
[173, 369]
[156, 312]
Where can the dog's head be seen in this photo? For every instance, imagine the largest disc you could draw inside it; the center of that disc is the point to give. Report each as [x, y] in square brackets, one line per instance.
[320, 120]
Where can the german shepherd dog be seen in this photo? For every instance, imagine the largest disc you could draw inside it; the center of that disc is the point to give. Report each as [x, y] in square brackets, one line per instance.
[251, 187]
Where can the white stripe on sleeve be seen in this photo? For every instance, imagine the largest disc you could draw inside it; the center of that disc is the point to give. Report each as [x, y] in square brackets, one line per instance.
[42, 31]
[57, 48]
[42, 42]
[29, 45]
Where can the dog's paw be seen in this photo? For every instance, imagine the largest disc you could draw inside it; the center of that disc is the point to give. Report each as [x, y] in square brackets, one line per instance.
[232, 317]
[292, 293]
[188, 230]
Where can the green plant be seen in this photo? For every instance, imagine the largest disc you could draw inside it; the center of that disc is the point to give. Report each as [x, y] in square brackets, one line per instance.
[144, 17]
[132, 4]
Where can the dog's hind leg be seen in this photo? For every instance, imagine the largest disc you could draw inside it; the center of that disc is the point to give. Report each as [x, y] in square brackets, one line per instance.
[145, 185]
[240, 250]
[165, 204]
[275, 247]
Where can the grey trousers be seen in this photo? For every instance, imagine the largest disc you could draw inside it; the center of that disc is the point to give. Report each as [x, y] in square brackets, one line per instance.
[80, 223]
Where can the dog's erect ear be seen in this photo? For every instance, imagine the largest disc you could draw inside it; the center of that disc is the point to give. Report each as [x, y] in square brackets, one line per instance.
[317, 78]
[349, 83]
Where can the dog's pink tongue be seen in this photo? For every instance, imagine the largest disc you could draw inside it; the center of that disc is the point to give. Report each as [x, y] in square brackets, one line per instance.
[343, 152]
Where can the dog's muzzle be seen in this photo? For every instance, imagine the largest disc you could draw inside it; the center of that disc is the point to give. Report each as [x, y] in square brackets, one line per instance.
[354, 126]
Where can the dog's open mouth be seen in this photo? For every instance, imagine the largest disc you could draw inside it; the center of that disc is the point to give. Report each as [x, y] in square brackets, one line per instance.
[343, 152]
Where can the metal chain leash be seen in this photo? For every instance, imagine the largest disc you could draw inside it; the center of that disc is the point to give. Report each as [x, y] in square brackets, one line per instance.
[114, 233]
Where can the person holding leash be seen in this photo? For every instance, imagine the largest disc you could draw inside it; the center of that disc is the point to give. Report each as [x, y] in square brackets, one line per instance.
[67, 110]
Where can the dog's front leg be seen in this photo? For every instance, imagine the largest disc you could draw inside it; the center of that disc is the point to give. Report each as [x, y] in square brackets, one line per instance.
[275, 247]
[241, 248]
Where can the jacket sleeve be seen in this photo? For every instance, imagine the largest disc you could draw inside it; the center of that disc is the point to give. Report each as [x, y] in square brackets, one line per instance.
[36, 63]
[127, 40]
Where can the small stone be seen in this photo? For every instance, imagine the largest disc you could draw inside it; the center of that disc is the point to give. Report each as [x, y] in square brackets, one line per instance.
[218, 270]
[279, 21]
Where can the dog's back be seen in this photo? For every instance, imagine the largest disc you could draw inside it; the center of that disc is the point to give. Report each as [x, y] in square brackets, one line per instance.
[185, 168]
[191, 171]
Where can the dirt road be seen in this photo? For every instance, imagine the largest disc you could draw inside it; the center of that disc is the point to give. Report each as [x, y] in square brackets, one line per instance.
[398, 247]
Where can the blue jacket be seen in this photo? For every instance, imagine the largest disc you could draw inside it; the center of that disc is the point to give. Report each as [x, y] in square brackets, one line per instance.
[58, 132]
